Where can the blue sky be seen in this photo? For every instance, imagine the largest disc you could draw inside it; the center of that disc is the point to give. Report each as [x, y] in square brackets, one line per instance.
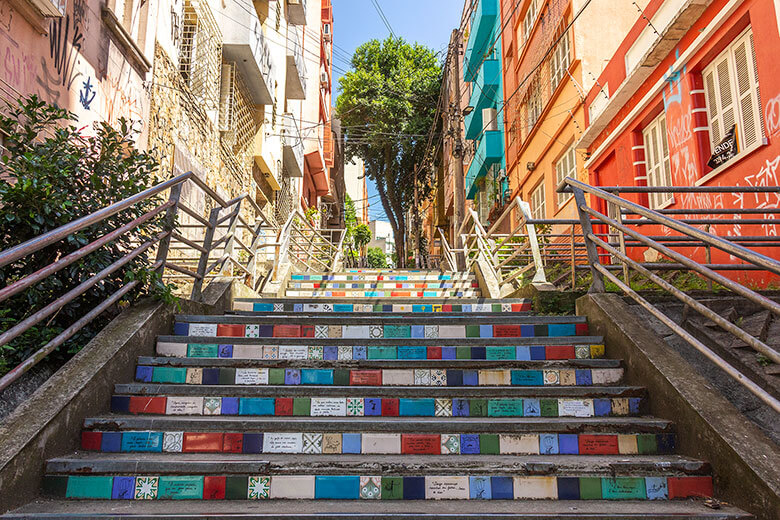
[428, 22]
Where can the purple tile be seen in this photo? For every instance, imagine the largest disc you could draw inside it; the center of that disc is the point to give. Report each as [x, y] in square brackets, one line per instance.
[144, 374]
[123, 488]
[330, 353]
[292, 376]
[266, 331]
[583, 377]
[470, 377]
[568, 444]
[449, 353]
[602, 407]
[633, 404]
[372, 406]
[460, 407]
[469, 444]
[226, 351]
[210, 376]
[253, 443]
[230, 406]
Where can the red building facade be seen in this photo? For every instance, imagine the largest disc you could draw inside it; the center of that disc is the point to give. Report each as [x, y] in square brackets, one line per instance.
[692, 98]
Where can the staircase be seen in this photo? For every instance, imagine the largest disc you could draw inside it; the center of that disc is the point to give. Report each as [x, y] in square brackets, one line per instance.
[400, 387]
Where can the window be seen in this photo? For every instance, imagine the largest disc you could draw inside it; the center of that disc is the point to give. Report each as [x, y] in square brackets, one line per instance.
[538, 204]
[565, 167]
[529, 19]
[533, 104]
[731, 90]
[559, 62]
[659, 172]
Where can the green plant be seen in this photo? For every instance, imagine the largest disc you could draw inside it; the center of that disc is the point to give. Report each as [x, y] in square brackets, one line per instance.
[376, 258]
[53, 174]
[311, 215]
[362, 235]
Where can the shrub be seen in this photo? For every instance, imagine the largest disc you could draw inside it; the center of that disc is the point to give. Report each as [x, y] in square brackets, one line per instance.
[376, 258]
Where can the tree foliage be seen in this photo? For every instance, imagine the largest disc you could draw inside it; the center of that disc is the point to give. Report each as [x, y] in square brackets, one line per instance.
[387, 107]
[376, 258]
[357, 235]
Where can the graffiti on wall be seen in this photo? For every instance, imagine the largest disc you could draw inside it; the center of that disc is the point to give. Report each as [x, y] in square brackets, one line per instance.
[772, 116]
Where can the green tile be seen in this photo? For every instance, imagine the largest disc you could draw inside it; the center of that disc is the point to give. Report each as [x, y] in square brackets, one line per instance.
[505, 408]
[276, 376]
[398, 331]
[236, 488]
[382, 353]
[302, 406]
[478, 407]
[457, 308]
[55, 485]
[378, 308]
[341, 377]
[496, 307]
[590, 488]
[488, 444]
[646, 444]
[493, 353]
[623, 488]
[462, 352]
[180, 488]
[169, 375]
[472, 331]
[549, 407]
[89, 486]
[199, 350]
[227, 376]
[392, 488]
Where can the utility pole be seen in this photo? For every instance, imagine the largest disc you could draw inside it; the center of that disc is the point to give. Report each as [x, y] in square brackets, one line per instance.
[453, 84]
[416, 223]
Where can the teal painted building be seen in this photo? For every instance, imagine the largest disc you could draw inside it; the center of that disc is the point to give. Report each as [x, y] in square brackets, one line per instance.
[486, 180]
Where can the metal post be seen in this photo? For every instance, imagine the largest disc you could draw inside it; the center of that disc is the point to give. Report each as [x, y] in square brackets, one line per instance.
[597, 286]
[230, 244]
[573, 261]
[208, 239]
[622, 240]
[169, 223]
[453, 86]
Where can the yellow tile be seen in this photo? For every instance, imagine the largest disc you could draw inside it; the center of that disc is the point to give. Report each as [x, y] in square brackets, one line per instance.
[627, 445]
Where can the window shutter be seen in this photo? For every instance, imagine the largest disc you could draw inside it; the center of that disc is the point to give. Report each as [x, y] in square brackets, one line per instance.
[712, 104]
[746, 89]
[725, 96]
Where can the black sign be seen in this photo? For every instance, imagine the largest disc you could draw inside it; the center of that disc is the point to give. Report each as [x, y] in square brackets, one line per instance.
[725, 150]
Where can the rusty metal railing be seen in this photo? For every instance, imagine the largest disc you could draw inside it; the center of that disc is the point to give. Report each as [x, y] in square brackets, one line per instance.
[307, 248]
[227, 247]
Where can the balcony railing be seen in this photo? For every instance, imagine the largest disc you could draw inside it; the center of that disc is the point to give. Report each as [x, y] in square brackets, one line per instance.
[490, 150]
[292, 146]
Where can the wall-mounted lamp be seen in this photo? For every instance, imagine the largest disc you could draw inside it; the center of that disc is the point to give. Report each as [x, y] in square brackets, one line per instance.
[467, 110]
[531, 166]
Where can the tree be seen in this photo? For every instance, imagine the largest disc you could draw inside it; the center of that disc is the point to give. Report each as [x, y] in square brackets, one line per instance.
[387, 107]
[376, 258]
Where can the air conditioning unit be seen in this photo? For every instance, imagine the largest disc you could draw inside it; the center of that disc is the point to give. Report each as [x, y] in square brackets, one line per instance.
[489, 119]
[326, 31]
[324, 78]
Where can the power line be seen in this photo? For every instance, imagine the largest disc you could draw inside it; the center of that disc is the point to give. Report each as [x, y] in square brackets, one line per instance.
[383, 17]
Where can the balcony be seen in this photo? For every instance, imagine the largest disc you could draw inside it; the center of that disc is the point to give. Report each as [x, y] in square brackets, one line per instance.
[489, 151]
[296, 66]
[264, 152]
[483, 22]
[296, 12]
[483, 95]
[245, 44]
[292, 146]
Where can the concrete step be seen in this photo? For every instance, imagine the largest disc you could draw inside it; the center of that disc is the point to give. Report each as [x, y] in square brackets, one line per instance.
[380, 510]
[464, 349]
[376, 275]
[368, 306]
[390, 294]
[372, 443]
[419, 376]
[369, 285]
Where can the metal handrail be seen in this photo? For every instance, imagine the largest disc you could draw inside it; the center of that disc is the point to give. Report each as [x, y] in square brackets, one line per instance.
[302, 245]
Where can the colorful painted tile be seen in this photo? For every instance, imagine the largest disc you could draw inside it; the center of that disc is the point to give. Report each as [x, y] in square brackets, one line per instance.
[146, 488]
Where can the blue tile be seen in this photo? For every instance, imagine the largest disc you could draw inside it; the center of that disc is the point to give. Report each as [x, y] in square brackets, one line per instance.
[469, 444]
[416, 407]
[253, 443]
[350, 443]
[181, 329]
[210, 376]
[460, 407]
[429, 294]
[564, 329]
[120, 403]
[502, 488]
[527, 331]
[342, 307]
[292, 376]
[466, 307]
[568, 488]
[316, 376]
[226, 351]
[666, 443]
[330, 353]
[470, 378]
[602, 407]
[263, 307]
[372, 406]
[123, 488]
[144, 374]
[527, 377]
[412, 352]
[337, 487]
[230, 406]
[548, 443]
[449, 353]
[266, 331]
[478, 353]
[297, 307]
[538, 354]
[568, 444]
[111, 442]
[256, 406]
[454, 377]
[486, 331]
[479, 488]
[418, 331]
[524, 353]
[583, 377]
[657, 488]
[633, 404]
[359, 352]
[414, 488]
[531, 408]
[142, 442]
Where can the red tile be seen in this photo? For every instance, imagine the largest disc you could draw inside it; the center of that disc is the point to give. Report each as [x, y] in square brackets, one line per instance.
[506, 331]
[234, 331]
[380, 277]
[213, 488]
[365, 377]
[560, 352]
[91, 440]
[390, 407]
[283, 406]
[338, 294]
[685, 487]
[202, 442]
[140, 404]
[307, 331]
[233, 443]
[399, 286]
[598, 445]
[316, 286]
[419, 286]
[420, 444]
[475, 284]
[581, 328]
[287, 331]
[521, 307]
[420, 294]
[446, 308]
[434, 352]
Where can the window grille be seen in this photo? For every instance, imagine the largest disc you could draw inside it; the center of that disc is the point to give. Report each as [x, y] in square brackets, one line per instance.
[200, 53]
